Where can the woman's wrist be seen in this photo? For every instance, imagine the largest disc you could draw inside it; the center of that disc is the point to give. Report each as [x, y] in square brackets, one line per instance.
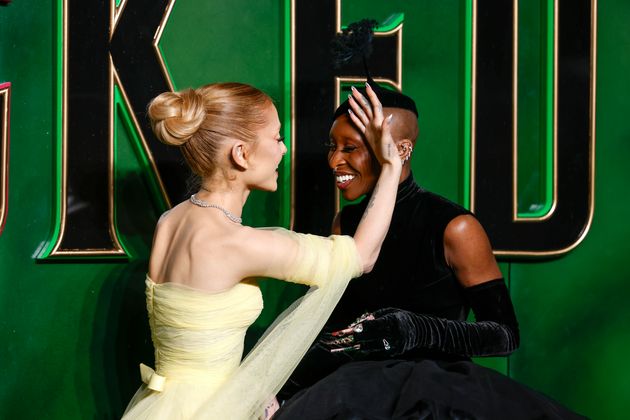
[393, 167]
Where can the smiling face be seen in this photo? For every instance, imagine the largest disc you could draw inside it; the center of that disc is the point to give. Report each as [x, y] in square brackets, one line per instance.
[266, 153]
[355, 168]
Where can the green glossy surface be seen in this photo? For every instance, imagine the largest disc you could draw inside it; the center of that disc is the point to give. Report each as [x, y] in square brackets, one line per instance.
[535, 107]
[73, 333]
[573, 310]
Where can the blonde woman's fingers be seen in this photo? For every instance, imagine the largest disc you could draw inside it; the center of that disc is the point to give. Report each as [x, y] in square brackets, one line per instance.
[360, 125]
[360, 99]
[376, 103]
[358, 111]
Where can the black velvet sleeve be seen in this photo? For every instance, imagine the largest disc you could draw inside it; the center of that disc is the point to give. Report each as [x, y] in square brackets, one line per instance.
[494, 333]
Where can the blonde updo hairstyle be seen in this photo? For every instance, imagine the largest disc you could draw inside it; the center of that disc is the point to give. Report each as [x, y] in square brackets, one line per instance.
[199, 121]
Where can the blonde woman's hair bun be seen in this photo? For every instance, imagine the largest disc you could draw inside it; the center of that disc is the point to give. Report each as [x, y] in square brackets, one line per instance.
[202, 121]
[177, 116]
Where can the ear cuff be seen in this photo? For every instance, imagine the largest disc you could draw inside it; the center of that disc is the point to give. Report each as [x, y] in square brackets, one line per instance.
[407, 153]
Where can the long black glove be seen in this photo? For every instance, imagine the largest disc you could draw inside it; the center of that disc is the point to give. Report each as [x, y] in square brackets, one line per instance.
[396, 331]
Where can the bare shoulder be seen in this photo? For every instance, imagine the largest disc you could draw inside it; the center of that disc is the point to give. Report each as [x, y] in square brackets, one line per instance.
[171, 215]
[468, 251]
[166, 223]
[462, 229]
[164, 215]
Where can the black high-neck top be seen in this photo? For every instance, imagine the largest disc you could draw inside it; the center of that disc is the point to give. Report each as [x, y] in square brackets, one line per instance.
[411, 272]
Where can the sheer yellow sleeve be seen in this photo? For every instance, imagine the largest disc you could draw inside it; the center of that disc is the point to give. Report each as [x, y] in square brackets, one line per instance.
[317, 258]
[326, 263]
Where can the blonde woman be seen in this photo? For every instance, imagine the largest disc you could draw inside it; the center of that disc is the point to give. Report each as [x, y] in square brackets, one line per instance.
[201, 292]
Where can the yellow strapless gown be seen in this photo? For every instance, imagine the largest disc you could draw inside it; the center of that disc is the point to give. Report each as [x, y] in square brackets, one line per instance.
[199, 336]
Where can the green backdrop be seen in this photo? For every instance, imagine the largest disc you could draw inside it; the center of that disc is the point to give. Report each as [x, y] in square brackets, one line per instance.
[73, 332]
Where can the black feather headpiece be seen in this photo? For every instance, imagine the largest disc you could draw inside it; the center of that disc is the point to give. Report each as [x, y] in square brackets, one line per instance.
[355, 43]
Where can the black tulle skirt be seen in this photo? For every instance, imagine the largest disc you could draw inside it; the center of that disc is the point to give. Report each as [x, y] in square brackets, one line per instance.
[426, 389]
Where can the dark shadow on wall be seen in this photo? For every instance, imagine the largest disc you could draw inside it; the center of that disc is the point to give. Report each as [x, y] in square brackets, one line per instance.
[121, 340]
[116, 319]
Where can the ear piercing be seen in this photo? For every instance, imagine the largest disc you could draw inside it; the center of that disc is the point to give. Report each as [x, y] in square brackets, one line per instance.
[407, 156]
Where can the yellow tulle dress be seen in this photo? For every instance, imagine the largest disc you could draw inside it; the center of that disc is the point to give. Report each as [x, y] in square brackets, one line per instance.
[199, 336]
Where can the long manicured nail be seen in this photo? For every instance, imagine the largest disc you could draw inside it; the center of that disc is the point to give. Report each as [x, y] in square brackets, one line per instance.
[355, 347]
[353, 88]
[368, 85]
[391, 116]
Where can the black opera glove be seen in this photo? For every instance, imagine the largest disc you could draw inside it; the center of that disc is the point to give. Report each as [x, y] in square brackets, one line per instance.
[396, 331]
[379, 331]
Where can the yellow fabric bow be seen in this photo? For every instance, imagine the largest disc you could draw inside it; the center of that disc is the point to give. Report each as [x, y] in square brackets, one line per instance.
[152, 379]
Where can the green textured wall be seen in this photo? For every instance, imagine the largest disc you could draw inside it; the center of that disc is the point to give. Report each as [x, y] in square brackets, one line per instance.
[73, 332]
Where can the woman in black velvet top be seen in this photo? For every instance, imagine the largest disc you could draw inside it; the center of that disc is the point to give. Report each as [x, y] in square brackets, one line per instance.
[399, 342]
[437, 260]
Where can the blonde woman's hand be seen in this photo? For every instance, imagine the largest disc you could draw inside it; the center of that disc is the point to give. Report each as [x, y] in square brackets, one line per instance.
[369, 119]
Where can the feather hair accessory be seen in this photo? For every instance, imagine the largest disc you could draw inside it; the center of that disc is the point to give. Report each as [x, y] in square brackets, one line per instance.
[354, 43]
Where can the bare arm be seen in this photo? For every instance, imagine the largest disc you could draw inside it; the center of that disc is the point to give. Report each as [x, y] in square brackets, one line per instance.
[468, 252]
[371, 231]
[268, 252]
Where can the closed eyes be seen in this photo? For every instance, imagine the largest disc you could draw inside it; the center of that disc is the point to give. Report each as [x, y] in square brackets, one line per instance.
[346, 149]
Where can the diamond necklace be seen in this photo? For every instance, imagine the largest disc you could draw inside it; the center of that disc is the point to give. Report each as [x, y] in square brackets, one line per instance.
[201, 203]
